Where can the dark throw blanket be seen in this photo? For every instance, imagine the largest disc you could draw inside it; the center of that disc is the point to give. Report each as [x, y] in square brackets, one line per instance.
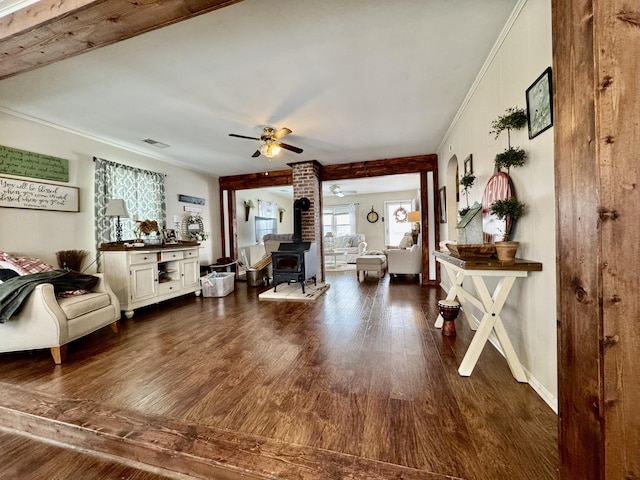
[14, 291]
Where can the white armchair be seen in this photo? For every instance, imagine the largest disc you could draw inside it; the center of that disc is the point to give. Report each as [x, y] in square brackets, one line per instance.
[405, 261]
[45, 321]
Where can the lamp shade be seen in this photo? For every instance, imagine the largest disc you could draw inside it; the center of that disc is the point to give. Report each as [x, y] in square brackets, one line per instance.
[414, 216]
[328, 235]
[116, 208]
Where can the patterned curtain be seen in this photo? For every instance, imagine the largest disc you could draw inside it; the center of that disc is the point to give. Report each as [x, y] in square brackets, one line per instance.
[142, 191]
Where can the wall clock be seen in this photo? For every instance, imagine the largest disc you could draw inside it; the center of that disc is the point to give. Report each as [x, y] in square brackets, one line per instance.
[372, 216]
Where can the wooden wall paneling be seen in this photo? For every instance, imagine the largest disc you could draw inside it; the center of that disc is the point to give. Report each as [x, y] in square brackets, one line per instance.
[617, 107]
[52, 30]
[596, 46]
[578, 243]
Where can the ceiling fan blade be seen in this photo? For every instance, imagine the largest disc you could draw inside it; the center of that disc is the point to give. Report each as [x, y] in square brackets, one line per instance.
[281, 133]
[290, 147]
[242, 136]
[256, 154]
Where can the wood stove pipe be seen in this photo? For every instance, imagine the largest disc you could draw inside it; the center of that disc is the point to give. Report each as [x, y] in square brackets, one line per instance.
[300, 205]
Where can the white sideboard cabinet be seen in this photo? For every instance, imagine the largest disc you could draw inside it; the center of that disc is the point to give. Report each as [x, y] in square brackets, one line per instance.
[146, 275]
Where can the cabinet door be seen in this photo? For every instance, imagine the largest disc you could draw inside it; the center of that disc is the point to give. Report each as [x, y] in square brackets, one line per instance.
[190, 272]
[144, 282]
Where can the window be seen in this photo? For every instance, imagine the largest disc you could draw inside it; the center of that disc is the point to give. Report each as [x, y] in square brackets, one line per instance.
[339, 219]
[396, 224]
[267, 209]
[264, 226]
[142, 191]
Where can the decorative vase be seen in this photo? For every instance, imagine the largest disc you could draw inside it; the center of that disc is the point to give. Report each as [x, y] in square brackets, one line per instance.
[507, 251]
[281, 214]
[246, 213]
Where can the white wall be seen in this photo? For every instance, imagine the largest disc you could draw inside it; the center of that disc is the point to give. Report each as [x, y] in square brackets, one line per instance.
[246, 229]
[530, 314]
[374, 232]
[41, 233]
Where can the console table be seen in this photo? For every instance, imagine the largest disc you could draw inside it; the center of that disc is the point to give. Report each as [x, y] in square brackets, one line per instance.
[150, 274]
[477, 269]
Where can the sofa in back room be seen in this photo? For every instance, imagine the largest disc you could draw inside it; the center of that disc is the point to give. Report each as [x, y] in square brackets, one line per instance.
[353, 245]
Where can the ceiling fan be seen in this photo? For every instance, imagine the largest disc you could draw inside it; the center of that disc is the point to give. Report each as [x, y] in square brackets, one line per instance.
[338, 192]
[272, 144]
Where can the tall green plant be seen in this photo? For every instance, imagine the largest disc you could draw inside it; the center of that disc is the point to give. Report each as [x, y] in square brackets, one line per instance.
[513, 119]
[467, 181]
[510, 210]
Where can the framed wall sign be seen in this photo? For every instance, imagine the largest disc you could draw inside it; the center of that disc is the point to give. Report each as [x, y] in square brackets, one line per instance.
[539, 104]
[23, 163]
[190, 199]
[16, 193]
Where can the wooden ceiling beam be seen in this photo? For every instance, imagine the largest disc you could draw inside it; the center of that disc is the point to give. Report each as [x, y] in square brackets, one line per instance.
[378, 168]
[50, 30]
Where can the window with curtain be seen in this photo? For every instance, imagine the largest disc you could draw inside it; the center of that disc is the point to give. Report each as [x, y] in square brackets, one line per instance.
[142, 190]
[339, 219]
[264, 226]
[267, 209]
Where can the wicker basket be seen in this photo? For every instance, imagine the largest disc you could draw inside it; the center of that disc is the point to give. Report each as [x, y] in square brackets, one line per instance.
[472, 250]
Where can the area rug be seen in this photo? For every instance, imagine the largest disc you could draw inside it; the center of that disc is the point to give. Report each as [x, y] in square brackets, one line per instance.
[293, 293]
[341, 267]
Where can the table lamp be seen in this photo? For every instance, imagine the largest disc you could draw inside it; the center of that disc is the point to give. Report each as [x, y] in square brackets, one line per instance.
[415, 217]
[117, 208]
[329, 238]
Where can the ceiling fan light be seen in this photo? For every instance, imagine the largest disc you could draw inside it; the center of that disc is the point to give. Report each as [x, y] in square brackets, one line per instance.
[335, 189]
[269, 149]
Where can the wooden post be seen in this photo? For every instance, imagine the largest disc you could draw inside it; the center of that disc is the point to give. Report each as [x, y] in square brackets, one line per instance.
[596, 60]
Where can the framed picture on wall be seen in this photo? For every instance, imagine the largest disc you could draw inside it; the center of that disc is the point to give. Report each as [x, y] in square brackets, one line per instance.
[468, 164]
[443, 204]
[539, 104]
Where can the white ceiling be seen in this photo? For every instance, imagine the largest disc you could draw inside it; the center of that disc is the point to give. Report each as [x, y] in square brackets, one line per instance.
[357, 80]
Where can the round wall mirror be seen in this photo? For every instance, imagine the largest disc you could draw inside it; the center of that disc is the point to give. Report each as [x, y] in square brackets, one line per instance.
[194, 226]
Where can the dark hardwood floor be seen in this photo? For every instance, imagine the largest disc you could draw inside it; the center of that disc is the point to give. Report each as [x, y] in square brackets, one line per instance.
[358, 384]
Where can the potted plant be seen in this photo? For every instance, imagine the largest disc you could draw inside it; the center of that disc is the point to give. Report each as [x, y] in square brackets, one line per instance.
[509, 210]
[513, 119]
[145, 228]
[281, 211]
[248, 205]
[511, 157]
[466, 182]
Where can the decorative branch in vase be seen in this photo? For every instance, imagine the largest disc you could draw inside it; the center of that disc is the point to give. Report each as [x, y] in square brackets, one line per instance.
[145, 228]
[508, 209]
[248, 205]
[466, 182]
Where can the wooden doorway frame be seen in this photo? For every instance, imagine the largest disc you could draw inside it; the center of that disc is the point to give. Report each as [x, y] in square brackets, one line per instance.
[420, 164]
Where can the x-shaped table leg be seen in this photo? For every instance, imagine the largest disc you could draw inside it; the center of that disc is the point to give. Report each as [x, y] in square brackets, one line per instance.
[456, 291]
[491, 321]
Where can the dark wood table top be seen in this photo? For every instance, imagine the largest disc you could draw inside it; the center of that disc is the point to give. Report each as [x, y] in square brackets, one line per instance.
[490, 263]
[105, 247]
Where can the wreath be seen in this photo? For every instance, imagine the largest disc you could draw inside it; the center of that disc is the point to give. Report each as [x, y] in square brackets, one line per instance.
[400, 215]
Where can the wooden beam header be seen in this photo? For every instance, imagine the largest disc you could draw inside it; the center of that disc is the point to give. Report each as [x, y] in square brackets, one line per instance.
[49, 31]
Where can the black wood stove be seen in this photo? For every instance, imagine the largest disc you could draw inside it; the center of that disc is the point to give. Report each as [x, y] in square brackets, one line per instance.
[288, 262]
